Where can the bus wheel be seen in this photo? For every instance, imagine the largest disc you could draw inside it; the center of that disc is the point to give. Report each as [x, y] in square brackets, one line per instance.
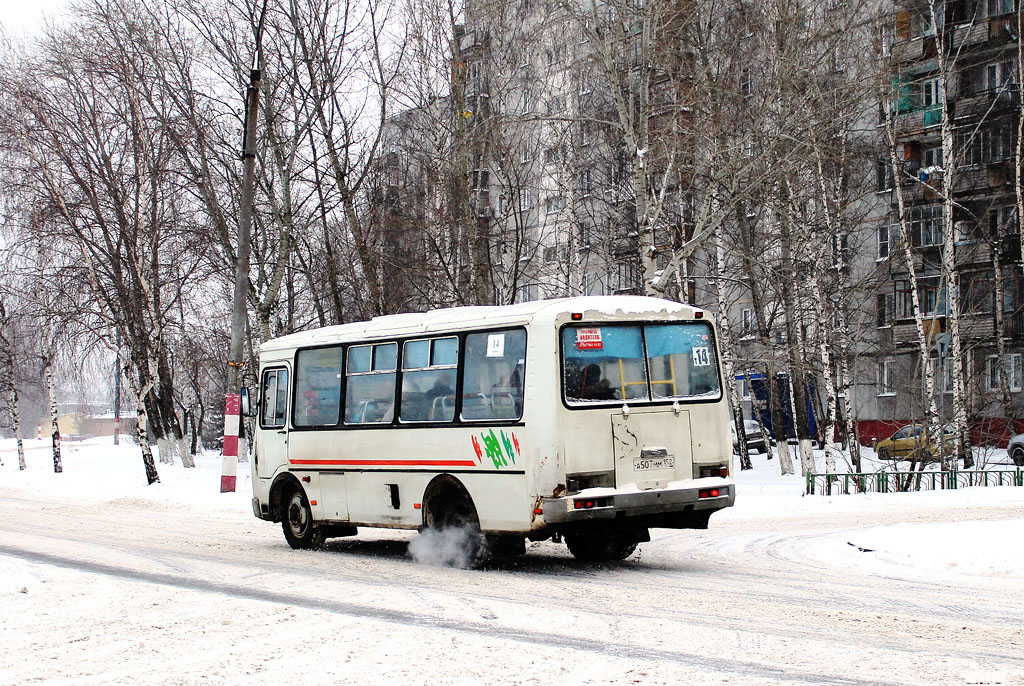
[452, 522]
[601, 546]
[297, 522]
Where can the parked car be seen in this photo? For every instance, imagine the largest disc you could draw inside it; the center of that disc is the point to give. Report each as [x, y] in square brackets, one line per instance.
[1015, 449]
[755, 439]
[908, 443]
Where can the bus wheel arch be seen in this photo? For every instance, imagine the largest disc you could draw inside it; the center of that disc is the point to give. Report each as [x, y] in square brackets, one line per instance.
[448, 504]
[448, 507]
[284, 484]
[291, 506]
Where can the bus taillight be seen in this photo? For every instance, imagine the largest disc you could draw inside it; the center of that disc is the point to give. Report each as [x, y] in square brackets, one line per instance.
[590, 503]
[709, 493]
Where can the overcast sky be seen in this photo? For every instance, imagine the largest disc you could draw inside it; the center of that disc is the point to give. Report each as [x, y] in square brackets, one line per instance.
[26, 16]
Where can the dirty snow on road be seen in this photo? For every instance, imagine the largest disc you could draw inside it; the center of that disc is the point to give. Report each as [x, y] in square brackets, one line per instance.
[105, 580]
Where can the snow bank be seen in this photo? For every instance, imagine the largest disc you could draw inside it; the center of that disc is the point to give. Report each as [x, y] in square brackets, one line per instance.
[976, 548]
[96, 470]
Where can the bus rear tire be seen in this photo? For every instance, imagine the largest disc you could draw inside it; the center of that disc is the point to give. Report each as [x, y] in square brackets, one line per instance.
[601, 545]
[447, 506]
[297, 522]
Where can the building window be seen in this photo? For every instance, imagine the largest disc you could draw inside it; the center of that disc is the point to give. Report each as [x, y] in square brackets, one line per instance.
[1002, 221]
[932, 157]
[883, 176]
[1011, 366]
[585, 182]
[976, 292]
[986, 145]
[927, 225]
[556, 55]
[550, 255]
[747, 319]
[1015, 371]
[886, 309]
[931, 93]
[552, 155]
[886, 377]
[527, 102]
[554, 203]
[992, 379]
[525, 200]
[883, 242]
[555, 105]
[528, 293]
[993, 8]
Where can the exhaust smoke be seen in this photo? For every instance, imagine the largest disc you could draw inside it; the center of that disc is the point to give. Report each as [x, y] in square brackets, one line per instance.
[451, 547]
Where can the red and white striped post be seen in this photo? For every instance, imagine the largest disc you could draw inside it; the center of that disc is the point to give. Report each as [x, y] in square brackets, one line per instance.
[39, 432]
[232, 426]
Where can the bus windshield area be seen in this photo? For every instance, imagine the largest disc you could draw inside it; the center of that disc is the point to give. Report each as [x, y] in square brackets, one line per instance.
[648, 362]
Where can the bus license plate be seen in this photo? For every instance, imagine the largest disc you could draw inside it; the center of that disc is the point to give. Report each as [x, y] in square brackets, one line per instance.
[647, 464]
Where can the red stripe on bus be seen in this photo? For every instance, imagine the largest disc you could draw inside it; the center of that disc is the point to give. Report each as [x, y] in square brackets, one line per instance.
[399, 463]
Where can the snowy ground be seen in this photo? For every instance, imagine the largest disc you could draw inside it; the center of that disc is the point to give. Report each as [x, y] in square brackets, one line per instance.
[106, 580]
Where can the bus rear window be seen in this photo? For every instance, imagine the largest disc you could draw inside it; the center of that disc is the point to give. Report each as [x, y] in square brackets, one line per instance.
[612, 363]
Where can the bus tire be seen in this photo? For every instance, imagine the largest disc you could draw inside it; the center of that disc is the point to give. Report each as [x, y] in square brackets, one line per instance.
[297, 521]
[601, 545]
[447, 507]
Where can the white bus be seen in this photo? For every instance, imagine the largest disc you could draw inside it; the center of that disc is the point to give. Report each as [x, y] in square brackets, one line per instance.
[588, 420]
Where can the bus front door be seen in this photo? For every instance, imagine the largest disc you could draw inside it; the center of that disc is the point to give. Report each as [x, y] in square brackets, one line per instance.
[271, 446]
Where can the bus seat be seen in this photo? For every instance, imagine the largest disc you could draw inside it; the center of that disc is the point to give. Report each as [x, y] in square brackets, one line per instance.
[443, 408]
[474, 406]
[503, 406]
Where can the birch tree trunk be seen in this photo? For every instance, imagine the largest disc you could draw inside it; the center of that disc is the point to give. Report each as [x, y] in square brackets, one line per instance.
[7, 341]
[141, 425]
[950, 168]
[51, 392]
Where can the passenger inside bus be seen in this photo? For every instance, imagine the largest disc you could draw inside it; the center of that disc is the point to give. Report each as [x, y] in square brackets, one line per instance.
[593, 386]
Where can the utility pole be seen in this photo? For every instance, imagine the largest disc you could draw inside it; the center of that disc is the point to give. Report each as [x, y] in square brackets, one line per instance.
[233, 404]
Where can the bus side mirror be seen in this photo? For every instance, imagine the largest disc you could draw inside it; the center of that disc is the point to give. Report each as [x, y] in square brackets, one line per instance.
[247, 409]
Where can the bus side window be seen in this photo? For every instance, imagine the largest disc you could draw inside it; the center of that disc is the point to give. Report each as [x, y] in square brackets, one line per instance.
[317, 387]
[429, 369]
[492, 384]
[370, 384]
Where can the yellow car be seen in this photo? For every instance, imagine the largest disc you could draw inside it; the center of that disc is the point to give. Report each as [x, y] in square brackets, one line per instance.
[910, 442]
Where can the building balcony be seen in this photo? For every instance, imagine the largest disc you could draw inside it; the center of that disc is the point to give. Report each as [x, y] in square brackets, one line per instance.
[978, 326]
[983, 177]
[979, 105]
[967, 35]
[918, 120]
[1013, 325]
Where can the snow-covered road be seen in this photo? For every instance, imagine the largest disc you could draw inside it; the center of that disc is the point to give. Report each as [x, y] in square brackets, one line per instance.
[136, 591]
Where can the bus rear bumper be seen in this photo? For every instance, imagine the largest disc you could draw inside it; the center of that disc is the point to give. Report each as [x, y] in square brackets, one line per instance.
[680, 506]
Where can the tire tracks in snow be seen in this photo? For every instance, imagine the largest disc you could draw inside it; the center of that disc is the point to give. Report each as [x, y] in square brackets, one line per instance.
[427, 621]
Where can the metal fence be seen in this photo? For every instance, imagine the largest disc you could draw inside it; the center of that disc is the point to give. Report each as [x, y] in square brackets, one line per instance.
[896, 481]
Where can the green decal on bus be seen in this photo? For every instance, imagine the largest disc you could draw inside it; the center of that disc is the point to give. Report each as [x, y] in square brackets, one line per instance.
[493, 448]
